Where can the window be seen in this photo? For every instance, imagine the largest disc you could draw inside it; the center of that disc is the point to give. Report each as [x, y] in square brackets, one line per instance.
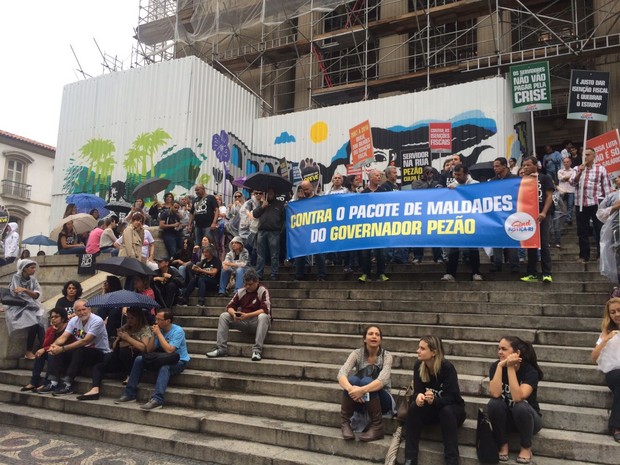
[14, 181]
[15, 171]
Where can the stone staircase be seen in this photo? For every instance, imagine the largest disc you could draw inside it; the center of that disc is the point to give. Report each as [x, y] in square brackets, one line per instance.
[285, 409]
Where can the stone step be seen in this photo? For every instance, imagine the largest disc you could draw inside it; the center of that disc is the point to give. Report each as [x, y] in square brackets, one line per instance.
[294, 424]
[421, 316]
[396, 344]
[415, 331]
[425, 279]
[306, 309]
[537, 293]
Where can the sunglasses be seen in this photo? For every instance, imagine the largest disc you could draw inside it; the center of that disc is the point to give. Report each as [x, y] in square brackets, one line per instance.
[258, 193]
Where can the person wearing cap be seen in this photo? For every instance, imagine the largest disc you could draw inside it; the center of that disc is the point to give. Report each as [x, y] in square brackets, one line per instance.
[167, 284]
[206, 274]
[235, 262]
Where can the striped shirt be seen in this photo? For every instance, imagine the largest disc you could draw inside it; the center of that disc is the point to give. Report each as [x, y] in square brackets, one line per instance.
[596, 187]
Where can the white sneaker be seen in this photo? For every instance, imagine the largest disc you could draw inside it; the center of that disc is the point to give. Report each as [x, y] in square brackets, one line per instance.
[256, 356]
[477, 277]
[448, 277]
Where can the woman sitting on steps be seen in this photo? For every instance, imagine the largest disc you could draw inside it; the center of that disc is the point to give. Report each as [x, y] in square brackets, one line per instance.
[513, 386]
[607, 355]
[368, 390]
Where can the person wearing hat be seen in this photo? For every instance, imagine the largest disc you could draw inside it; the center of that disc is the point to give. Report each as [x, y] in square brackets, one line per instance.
[235, 262]
[167, 284]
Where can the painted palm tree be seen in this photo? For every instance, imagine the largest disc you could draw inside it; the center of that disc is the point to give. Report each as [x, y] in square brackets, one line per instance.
[93, 152]
[143, 150]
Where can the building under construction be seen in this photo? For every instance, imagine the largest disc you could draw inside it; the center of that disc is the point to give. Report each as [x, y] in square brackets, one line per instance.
[301, 54]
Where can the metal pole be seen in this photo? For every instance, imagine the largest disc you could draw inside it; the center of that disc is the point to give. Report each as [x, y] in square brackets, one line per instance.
[428, 44]
[311, 54]
[582, 179]
[533, 133]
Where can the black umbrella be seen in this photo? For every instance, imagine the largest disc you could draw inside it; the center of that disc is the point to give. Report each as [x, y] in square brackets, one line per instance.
[262, 181]
[482, 171]
[124, 266]
[119, 207]
[150, 188]
[122, 299]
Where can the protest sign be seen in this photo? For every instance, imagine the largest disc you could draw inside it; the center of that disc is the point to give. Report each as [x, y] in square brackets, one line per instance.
[607, 148]
[588, 95]
[531, 87]
[360, 139]
[412, 164]
[440, 137]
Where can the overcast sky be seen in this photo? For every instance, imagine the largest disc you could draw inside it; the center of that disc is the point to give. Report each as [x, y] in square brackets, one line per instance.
[36, 58]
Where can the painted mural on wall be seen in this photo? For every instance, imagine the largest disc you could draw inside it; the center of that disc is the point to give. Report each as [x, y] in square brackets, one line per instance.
[230, 159]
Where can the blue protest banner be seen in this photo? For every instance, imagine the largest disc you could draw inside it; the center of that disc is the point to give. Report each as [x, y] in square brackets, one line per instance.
[494, 214]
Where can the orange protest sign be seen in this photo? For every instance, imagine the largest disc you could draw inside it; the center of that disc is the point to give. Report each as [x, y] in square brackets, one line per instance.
[360, 139]
[607, 148]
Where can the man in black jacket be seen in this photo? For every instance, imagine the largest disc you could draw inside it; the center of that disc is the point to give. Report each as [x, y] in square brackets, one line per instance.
[167, 284]
[271, 216]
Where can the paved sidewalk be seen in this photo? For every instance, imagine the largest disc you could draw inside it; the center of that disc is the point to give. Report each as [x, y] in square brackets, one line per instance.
[34, 447]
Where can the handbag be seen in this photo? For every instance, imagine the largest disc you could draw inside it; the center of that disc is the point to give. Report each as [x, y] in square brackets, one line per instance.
[403, 402]
[153, 361]
[486, 446]
[11, 300]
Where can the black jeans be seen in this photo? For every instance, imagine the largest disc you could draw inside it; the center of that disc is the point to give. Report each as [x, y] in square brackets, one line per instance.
[613, 381]
[545, 253]
[365, 261]
[34, 332]
[120, 360]
[583, 230]
[520, 417]
[453, 260]
[449, 417]
[74, 360]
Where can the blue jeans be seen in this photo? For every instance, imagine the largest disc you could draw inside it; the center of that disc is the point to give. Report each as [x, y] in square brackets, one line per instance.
[72, 250]
[163, 377]
[268, 242]
[39, 363]
[200, 232]
[386, 398]
[204, 283]
[172, 243]
[225, 277]
[569, 198]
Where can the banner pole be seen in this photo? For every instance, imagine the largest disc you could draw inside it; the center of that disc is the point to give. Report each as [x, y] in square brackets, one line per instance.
[533, 133]
[583, 154]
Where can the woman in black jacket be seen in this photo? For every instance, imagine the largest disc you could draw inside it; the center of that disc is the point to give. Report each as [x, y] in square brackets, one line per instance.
[437, 399]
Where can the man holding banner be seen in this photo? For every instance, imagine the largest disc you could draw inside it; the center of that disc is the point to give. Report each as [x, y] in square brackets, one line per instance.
[592, 186]
[462, 178]
[300, 262]
[374, 185]
[545, 209]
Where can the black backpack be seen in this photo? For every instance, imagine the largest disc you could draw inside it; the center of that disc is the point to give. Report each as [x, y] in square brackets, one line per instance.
[486, 447]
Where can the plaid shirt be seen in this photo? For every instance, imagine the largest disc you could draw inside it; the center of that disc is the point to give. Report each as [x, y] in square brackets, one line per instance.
[596, 187]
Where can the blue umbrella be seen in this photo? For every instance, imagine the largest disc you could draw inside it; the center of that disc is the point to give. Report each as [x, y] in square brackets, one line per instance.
[39, 240]
[122, 299]
[86, 202]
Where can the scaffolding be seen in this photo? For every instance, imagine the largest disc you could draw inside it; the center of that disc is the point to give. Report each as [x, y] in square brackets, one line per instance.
[300, 54]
